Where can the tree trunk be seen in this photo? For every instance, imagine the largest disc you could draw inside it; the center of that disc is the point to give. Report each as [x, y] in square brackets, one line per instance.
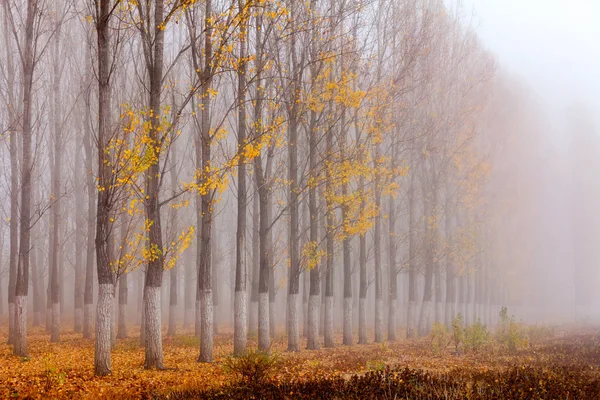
[314, 262]
[88, 292]
[292, 317]
[429, 260]
[393, 270]
[123, 294]
[348, 336]
[188, 315]
[55, 195]
[205, 277]
[79, 235]
[14, 181]
[412, 262]
[35, 275]
[215, 277]
[450, 305]
[106, 286]
[253, 322]
[377, 256]
[363, 284]
[22, 278]
[172, 328]
[264, 327]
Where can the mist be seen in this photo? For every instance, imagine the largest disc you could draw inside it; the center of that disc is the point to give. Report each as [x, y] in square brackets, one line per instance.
[288, 176]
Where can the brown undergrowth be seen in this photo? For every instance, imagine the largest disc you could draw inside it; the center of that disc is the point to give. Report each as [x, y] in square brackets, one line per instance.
[550, 367]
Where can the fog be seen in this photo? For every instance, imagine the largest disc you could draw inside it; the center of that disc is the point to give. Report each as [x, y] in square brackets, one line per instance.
[550, 47]
[296, 169]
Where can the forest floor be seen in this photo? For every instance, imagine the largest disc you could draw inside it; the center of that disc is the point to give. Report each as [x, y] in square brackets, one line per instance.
[568, 359]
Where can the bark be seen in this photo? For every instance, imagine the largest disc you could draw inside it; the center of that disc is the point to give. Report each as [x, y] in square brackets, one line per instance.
[429, 260]
[140, 296]
[122, 316]
[55, 211]
[153, 341]
[172, 328]
[22, 278]
[35, 280]
[377, 256]
[188, 315]
[348, 336]
[253, 322]
[205, 271]
[264, 336]
[104, 312]
[393, 270]
[215, 278]
[88, 293]
[438, 316]
[154, 272]
[14, 181]
[294, 274]
[79, 235]
[315, 282]
[362, 294]
[450, 305]
[328, 328]
[412, 262]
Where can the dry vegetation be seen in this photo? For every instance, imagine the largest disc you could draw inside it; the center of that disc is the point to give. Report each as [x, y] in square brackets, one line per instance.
[551, 366]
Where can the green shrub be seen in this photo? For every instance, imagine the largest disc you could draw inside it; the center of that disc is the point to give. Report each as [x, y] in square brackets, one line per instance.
[458, 331]
[476, 337]
[439, 338]
[253, 368]
[511, 335]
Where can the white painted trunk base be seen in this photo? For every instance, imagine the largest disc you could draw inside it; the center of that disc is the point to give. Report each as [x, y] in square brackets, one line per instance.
[362, 321]
[314, 302]
[104, 311]
[292, 323]
[206, 329]
[424, 318]
[239, 323]
[378, 320]
[153, 345]
[411, 318]
[88, 320]
[348, 321]
[392, 320]
[78, 325]
[264, 339]
[55, 336]
[328, 328]
[20, 328]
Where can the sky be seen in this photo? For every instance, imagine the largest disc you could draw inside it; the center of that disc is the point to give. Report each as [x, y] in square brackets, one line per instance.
[552, 45]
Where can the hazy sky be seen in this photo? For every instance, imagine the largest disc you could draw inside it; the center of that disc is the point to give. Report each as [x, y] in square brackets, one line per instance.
[554, 45]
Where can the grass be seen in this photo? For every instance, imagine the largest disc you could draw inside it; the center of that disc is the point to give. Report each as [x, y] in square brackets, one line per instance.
[570, 361]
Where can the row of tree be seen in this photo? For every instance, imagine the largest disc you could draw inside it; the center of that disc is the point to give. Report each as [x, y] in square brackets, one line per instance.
[363, 133]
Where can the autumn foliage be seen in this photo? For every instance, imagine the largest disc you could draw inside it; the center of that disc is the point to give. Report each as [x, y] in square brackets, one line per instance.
[558, 366]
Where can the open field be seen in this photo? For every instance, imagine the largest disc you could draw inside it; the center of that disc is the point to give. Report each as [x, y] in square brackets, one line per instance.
[559, 365]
